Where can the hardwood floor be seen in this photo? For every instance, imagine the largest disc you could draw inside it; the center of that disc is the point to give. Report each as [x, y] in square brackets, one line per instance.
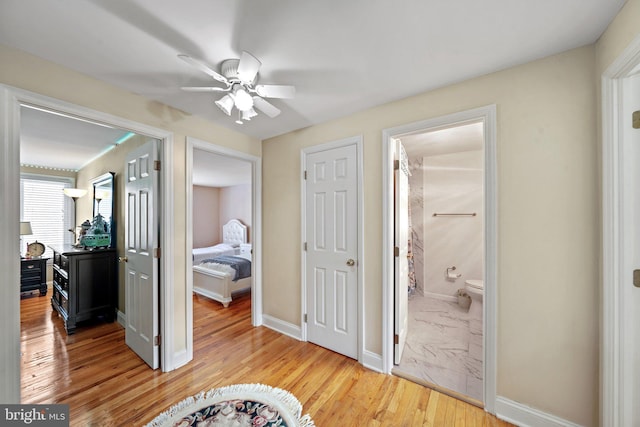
[106, 384]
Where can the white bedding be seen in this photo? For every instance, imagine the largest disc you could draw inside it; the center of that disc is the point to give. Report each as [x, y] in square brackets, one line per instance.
[200, 254]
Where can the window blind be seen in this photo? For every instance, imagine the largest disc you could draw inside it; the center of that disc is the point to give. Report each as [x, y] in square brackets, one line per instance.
[48, 210]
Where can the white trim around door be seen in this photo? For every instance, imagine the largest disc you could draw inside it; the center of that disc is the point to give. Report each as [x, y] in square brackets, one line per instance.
[256, 231]
[487, 115]
[360, 264]
[616, 407]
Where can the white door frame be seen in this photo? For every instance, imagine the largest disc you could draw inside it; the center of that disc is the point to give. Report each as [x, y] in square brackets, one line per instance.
[614, 405]
[488, 116]
[357, 140]
[10, 100]
[256, 231]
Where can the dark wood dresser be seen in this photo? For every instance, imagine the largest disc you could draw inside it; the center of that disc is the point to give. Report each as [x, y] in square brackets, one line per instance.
[33, 275]
[85, 284]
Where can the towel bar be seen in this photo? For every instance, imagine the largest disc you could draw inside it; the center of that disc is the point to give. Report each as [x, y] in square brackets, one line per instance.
[454, 214]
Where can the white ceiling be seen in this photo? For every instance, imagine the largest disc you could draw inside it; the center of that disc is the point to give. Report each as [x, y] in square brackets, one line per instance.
[456, 139]
[62, 142]
[214, 170]
[342, 56]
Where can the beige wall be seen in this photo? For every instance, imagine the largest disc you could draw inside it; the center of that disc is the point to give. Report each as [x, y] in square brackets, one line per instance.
[206, 216]
[235, 203]
[112, 161]
[215, 206]
[28, 72]
[547, 213]
[621, 31]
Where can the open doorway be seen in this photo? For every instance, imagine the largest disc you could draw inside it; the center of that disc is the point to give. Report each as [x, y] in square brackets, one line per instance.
[444, 279]
[223, 223]
[13, 99]
[440, 318]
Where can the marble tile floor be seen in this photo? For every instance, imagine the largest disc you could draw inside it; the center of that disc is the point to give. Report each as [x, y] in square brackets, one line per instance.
[444, 345]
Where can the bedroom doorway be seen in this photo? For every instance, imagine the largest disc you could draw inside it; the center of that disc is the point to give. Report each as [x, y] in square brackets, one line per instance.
[11, 100]
[223, 220]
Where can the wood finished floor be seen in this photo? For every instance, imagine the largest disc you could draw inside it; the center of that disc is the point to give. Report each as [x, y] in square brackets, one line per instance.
[106, 384]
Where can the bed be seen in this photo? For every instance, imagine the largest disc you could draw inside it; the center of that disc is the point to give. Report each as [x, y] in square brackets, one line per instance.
[233, 234]
[217, 277]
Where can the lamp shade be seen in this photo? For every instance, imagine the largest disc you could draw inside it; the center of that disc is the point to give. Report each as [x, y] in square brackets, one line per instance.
[249, 114]
[242, 99]
[74, 193]
[225, 104]
[101, 194]
[25, 228]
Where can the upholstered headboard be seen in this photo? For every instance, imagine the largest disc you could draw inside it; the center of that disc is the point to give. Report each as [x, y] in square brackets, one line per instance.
[234, 232]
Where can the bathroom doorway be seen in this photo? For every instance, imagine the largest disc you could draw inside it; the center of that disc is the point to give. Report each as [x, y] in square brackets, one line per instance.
[449, 217]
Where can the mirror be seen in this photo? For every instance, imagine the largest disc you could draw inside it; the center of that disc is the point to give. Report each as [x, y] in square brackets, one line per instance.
[104, 201]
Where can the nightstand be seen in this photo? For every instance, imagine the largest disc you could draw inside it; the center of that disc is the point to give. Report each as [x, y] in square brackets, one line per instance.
[245, 250]
[33, 275]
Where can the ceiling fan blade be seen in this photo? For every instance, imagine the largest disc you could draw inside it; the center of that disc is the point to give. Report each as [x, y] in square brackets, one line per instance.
[276, 91]
[203, 67]
[248, 67]
[266, 107]
[204, 89]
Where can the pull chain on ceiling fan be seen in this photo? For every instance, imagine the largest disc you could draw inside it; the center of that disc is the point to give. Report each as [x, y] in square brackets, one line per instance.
[239, 77]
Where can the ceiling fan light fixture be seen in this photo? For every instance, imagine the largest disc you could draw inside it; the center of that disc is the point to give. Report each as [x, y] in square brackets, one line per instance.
[242, 99]
[225, 104]
[249, 114]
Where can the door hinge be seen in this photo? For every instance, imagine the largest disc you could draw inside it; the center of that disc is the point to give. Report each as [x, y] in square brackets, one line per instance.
[396, 165]
[305, 174]
[635, 119]
[304, 245]
[156, 165]
[305, 318]
[636, 278]
[396, 251]
[157, 252]
[156, 340]
[396, 339]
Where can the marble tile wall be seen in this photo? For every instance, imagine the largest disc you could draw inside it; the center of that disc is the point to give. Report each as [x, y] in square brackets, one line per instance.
[416, 204]
[453, 183]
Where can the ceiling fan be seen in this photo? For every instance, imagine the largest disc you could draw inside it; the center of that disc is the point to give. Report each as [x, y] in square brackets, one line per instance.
[239, 77]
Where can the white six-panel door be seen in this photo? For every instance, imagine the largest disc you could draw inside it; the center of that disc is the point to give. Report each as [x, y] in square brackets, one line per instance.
[331, 276]
[141, 238]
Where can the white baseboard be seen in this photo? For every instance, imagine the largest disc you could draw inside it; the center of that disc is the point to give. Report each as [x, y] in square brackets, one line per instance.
[525, 416]
[449, 298]
[372, 361]
[122, 319]
[286, 328]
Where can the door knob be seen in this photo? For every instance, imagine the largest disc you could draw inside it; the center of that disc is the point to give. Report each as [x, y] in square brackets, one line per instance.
[123, 259]
[351, 262]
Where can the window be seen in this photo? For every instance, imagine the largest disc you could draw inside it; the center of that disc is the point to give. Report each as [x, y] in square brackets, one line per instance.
[48, 210]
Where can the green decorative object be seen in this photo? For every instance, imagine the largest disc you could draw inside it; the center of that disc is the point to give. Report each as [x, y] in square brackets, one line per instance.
[98, 235]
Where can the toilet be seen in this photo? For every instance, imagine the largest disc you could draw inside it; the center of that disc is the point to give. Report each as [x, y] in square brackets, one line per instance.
[475, 288]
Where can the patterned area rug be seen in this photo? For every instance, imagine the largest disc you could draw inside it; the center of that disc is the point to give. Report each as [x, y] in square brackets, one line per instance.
[239, 405]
